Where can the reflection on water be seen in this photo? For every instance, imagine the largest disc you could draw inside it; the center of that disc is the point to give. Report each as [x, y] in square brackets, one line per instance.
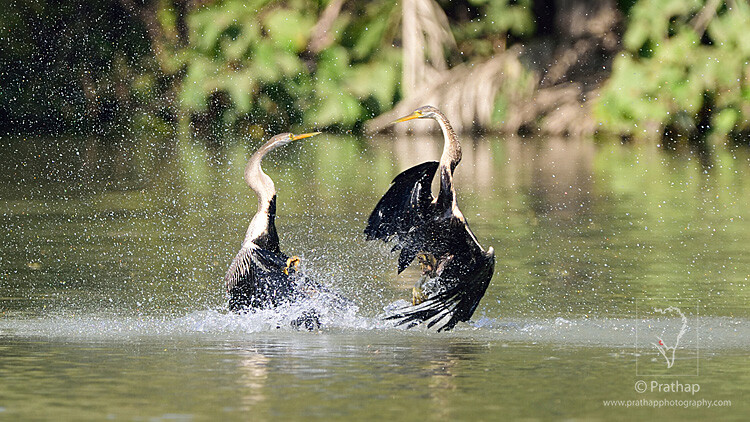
[113, 255]
[365, 376]
[253, 374]
[580, 228]
[560, 179]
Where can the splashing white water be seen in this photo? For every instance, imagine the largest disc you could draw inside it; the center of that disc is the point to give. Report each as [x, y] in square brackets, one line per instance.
[716, 332]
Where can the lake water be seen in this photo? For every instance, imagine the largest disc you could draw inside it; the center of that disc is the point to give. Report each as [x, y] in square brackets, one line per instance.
[112, 304]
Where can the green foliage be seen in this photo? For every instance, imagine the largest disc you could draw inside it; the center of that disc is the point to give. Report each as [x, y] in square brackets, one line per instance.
[495, 19]
[258, 55]
[671, 75]
[502, 16]
[655, 20]
[258, 66]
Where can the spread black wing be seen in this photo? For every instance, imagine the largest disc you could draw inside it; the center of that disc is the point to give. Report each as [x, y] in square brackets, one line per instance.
[454, 305]
[402, 210]
[408, 214]
[255, 279]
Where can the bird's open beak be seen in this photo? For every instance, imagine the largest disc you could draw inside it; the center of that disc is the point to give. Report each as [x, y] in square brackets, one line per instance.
[305, 135]
[412, 116]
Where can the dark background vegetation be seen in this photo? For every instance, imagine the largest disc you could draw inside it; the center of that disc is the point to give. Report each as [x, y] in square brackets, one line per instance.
[652, 69]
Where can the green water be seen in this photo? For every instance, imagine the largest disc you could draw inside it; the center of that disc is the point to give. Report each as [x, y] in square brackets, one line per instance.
[112, 306]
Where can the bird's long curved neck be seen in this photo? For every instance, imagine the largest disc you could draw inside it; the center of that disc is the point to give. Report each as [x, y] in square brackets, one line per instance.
[262, 229]
[448, 161]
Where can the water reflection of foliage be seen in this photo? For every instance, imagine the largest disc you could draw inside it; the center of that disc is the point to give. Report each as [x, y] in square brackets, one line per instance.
[653, 222]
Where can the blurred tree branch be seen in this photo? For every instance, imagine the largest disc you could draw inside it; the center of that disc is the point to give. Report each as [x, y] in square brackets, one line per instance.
[701, 20]
[321, 37]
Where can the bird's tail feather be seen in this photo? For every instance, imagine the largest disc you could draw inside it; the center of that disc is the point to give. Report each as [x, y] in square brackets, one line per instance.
[439, 311]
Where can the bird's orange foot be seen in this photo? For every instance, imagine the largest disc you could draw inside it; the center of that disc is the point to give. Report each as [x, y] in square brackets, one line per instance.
[292, 264]
[427, 263]
[417, 296]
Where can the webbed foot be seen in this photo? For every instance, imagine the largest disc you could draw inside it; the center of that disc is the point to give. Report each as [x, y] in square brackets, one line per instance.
[427, 263]
[417, 295]
[292, 264]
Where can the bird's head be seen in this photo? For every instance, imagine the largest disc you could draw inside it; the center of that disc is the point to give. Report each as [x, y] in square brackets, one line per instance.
[285, 138]
[254, 176]
[280, 140]
[424, 112]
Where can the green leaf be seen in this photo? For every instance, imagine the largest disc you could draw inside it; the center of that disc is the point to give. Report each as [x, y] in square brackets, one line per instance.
[724, 121]
[289, 29]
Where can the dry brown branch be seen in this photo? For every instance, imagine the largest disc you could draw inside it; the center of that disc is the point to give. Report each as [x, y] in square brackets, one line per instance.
[466, 92]
[703, 18]
[321, 36]
[425, 35]
[567, 59]
[148, 16]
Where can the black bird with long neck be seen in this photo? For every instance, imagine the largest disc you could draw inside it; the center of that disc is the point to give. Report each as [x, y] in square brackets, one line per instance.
[456, 270]
[261, 276]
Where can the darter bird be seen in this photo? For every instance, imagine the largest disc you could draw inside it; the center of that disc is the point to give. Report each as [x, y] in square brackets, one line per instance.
[261, 276]
[456, 270]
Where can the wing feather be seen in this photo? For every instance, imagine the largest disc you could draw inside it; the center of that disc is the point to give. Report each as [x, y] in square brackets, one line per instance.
[399, 210]
[248, 262]
[448, 308]
[254, 279]
[240, 268]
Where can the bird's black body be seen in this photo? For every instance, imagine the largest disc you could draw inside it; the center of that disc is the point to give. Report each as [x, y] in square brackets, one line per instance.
[420, 223]
[261, 276]
[256, 278]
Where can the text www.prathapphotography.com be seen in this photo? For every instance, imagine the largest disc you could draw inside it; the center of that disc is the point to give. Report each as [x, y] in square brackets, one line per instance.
[700, 403]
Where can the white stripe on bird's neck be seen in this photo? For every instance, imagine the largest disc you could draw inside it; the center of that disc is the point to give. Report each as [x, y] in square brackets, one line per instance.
[264, 188]
[449, 159]
[451, 155]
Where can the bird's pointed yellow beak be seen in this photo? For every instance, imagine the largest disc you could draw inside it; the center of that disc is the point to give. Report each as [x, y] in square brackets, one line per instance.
[412, 116]
[305, 135]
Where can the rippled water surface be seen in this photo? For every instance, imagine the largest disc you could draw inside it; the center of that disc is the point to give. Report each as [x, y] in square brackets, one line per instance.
[112, 303]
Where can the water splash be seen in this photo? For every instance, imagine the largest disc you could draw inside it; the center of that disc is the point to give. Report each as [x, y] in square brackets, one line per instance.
[716, 333]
